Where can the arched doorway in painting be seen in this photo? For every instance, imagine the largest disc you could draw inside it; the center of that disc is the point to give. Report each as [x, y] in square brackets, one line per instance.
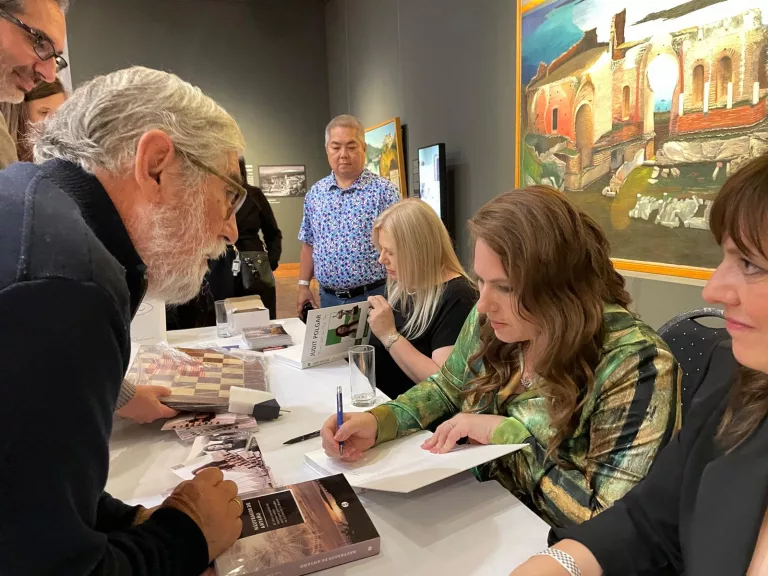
[585, 134]
[663, 77]
[625, 102]
[762, 67]
[697, 96]
[724, 77]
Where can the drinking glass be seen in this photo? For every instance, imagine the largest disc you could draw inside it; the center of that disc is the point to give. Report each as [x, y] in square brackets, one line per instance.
[224, 321]
[362, 375]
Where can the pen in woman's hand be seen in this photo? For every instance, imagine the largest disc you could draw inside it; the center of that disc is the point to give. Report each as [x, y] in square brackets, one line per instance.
[339, 417]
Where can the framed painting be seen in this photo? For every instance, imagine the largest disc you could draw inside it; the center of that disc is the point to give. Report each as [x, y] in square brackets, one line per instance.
[283, 180]
[639, 111]
[384, 153]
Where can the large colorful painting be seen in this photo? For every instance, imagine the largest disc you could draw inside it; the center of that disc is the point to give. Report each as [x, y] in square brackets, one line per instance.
[384, 154]
[639, 111]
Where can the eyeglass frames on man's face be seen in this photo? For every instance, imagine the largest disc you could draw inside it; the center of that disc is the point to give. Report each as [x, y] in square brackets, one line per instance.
[42, 44]
[236, 196]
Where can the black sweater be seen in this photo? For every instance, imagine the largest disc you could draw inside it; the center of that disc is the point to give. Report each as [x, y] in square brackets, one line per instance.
[256, 214]
[70, 281]
[699, 510]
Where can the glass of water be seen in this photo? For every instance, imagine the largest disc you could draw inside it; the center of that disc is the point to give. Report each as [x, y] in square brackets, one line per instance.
[362, 375]
[224, 321]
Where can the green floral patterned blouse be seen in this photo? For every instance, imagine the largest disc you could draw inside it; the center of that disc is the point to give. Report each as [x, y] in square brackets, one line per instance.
[632, 412]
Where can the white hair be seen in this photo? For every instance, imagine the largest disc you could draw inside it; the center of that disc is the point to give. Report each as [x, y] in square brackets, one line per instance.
[345, 121]
[18, 5]
[100, 125]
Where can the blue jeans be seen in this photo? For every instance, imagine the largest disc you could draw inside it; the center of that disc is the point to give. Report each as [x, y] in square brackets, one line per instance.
[328, 299]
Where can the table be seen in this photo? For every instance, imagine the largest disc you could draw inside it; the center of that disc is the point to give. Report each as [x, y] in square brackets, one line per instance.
[456, 527]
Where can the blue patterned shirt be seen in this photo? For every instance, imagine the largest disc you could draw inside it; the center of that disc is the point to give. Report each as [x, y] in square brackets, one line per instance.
[338, 224]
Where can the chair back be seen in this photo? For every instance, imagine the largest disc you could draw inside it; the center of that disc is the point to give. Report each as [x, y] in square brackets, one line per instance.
[704, 354]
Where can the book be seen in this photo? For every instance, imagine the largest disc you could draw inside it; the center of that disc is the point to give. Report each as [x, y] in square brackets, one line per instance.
[330, 333]
[404, 466]
[242, 423]
[240, 462]
[216, 441]
[199, 420]
[300, 529]
[266, 337]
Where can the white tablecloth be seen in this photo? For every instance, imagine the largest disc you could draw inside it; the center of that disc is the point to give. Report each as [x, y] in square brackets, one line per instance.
[456, 527]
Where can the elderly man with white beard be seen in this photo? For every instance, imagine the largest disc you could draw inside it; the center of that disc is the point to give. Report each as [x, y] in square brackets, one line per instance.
[136, 187]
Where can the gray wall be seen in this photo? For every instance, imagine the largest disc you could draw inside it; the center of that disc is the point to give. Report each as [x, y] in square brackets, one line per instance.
[263, 61]
[447, 69]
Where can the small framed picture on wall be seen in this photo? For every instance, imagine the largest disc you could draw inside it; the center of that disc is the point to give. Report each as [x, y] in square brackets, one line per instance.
[283, 180]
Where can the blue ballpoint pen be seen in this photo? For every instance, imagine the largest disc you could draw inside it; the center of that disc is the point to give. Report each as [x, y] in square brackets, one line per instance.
[339, 416]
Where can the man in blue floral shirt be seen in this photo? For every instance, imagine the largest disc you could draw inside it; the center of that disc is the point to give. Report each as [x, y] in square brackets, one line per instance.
[339, 212]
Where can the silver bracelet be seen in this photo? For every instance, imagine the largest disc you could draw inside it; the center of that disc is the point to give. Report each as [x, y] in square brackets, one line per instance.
[563, 558]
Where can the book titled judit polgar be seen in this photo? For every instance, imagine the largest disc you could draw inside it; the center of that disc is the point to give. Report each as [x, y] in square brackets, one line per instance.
[300, 529]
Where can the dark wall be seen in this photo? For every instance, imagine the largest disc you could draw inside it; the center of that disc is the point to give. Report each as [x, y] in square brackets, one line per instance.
[447, 68]
[264, 61]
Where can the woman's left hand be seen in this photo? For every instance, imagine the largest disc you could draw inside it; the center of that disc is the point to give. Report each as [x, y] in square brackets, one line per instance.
[381, 319]
[477, 427]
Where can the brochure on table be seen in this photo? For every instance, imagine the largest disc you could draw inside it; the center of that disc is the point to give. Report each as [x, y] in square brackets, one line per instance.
[330, 333]
[404, 466]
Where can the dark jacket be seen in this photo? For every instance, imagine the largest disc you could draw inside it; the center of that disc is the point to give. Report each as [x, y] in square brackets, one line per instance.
[256, 214]
[70, 282]
[697, 513]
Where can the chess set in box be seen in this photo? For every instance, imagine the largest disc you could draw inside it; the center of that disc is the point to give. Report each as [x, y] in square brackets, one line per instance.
[200, 379]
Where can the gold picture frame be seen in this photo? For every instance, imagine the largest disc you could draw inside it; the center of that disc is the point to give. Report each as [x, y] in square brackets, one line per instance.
[708, 91]
[384, 153]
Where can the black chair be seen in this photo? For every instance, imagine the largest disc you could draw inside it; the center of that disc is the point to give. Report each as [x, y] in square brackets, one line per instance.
[704, 354]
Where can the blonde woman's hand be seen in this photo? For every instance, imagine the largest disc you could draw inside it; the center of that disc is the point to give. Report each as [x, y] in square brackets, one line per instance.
[479, 428]
[381, 319]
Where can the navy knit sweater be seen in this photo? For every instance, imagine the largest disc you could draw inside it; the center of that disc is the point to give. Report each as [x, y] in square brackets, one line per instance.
[70, 282]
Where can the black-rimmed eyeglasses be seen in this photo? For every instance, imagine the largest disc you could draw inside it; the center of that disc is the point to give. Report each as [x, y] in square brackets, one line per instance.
[236, 193]
[42, 44]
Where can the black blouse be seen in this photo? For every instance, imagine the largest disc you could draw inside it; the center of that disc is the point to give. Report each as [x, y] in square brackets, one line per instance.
[699, 510]
[456, 302]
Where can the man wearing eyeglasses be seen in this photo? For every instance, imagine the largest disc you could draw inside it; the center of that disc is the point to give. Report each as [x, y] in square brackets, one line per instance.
[137, 187]
[32, 34]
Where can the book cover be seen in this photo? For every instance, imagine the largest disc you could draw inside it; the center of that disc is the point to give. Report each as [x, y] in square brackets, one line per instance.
[330, 333]
[266, 337]
[300, 529]
[239, 461]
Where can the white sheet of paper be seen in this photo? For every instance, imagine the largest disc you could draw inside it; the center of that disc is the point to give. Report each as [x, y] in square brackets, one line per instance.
[403, 466]
[148, 326]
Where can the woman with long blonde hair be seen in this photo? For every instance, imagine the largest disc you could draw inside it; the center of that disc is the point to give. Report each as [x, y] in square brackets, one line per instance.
[550, 357]
[429, 296]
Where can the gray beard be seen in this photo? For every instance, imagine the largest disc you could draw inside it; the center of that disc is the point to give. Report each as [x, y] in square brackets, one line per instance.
[175, 249]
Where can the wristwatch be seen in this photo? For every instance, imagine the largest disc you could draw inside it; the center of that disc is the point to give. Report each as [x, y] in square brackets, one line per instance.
[304, 282]
[391, 339]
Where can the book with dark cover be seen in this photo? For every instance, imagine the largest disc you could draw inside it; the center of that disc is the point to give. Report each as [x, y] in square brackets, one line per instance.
[300, 529]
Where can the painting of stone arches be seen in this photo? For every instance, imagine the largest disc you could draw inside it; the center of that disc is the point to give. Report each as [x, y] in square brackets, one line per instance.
[639, 111]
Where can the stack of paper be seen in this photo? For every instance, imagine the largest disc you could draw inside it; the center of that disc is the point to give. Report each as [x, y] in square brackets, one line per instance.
[404, 466]
[266, 337]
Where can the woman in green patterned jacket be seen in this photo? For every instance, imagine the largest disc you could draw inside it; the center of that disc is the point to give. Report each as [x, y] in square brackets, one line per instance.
[549, 357]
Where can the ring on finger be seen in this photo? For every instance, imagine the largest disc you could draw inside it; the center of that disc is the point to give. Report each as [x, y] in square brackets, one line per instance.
[239, 502]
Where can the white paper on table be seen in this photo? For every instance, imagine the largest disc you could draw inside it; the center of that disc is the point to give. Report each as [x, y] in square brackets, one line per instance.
[148, 326]
[404, 466]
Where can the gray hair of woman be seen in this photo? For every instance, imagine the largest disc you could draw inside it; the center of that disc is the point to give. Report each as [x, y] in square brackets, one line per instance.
[100, 126]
